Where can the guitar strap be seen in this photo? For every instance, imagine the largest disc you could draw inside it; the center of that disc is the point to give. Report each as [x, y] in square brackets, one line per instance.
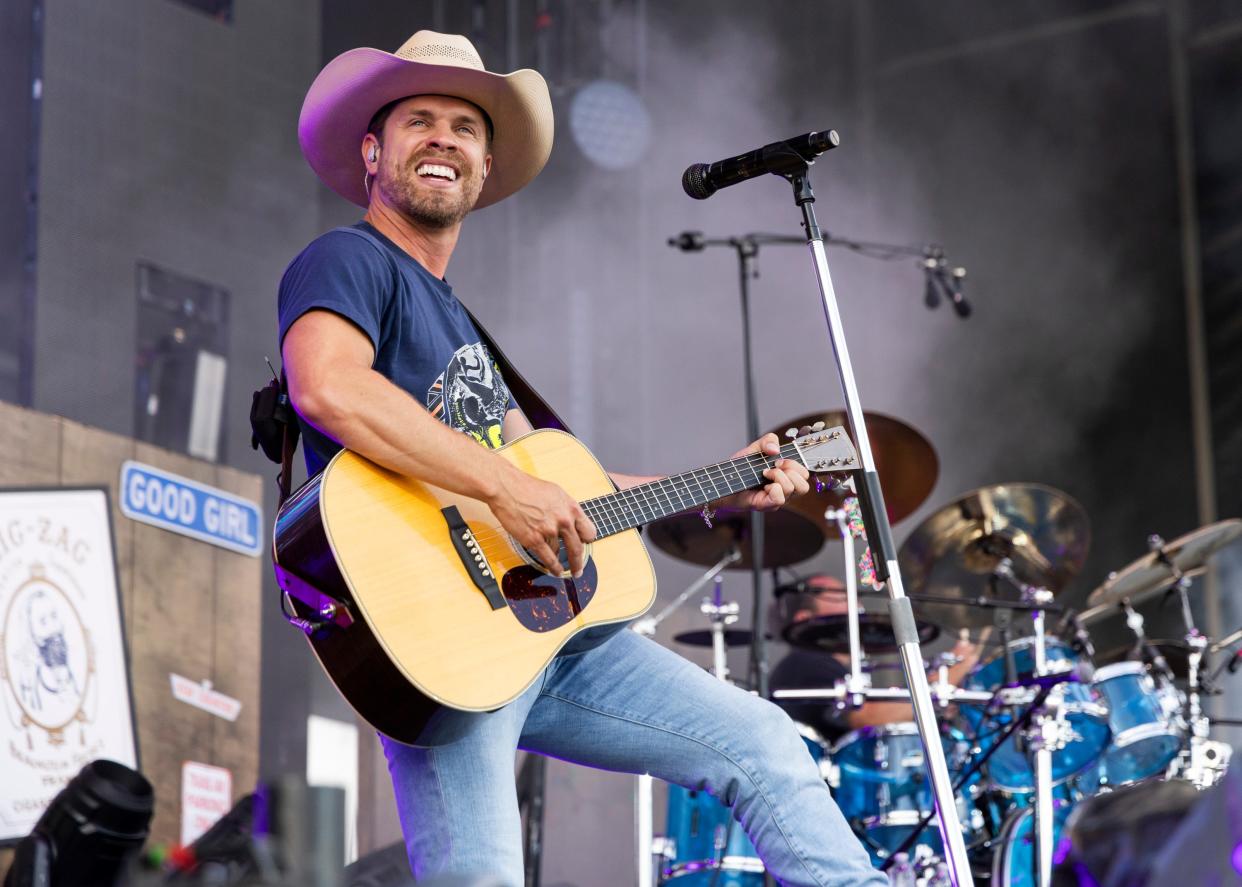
[537, 410]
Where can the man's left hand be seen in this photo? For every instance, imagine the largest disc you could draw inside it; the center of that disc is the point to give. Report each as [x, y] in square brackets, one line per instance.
[787, 478]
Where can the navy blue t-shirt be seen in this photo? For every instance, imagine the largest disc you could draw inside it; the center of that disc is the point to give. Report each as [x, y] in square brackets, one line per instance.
[424, 341]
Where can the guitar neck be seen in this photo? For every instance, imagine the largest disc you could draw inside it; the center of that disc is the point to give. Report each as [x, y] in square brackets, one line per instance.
[644, 503]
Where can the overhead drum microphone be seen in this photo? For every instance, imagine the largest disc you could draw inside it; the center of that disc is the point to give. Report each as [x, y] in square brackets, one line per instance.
[702, 180]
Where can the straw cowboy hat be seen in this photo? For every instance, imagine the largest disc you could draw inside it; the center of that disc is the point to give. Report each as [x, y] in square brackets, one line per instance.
[356, 84]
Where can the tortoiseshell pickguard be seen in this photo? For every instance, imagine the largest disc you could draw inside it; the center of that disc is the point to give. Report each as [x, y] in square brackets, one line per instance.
[542, 602]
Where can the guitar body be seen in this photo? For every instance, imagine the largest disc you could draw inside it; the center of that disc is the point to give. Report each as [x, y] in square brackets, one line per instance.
[423, 635]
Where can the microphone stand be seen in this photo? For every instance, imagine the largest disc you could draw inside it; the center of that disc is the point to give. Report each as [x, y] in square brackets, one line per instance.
[880, 537]
[747, 253]
[747, 249]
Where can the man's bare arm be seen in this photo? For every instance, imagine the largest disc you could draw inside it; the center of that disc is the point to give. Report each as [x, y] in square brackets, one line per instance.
[332, 386]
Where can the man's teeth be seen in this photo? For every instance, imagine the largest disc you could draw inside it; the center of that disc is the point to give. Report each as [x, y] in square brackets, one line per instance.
[435, 169]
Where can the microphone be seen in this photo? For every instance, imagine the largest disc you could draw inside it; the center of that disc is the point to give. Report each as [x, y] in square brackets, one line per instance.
[688, 241]
[702, 180]
[931, 284]
[960, 305]
[943, 281]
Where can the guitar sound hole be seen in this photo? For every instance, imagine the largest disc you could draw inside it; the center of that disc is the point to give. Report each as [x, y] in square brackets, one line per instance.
[542, 602]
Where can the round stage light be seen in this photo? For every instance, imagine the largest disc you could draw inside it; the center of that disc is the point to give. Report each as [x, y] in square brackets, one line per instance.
[610, 124]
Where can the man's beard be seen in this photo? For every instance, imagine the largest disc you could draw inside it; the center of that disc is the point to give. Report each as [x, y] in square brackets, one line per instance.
[432, 208]
[54, 651]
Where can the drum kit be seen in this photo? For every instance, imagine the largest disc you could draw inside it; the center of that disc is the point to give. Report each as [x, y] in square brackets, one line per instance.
[1040, 723]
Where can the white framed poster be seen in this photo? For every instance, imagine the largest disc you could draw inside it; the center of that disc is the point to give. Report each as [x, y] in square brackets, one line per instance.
[65, 696]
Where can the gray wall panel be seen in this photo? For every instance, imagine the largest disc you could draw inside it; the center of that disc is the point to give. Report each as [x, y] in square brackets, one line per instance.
[171, 138]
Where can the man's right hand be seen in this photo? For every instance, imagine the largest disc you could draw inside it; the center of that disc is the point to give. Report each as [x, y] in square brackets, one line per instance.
[540, 515]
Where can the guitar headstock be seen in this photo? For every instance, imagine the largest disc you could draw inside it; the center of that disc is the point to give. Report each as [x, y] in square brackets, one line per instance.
[829, 449]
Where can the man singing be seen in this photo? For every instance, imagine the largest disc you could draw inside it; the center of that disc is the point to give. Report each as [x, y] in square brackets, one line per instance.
[382, 359]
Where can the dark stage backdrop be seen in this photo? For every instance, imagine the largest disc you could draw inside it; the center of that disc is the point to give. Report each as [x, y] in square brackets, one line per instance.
[1035, 140]
[169, 140]
[20, 64]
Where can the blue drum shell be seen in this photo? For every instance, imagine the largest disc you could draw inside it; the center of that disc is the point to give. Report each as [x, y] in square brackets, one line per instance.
[1145, 737]
[1008, 768]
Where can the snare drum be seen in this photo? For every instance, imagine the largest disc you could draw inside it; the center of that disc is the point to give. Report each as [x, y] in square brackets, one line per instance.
[884, 791]
[1009, 768]
[1145, 719]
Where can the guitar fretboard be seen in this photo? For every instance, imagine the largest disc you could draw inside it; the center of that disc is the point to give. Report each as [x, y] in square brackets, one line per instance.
[642, 504]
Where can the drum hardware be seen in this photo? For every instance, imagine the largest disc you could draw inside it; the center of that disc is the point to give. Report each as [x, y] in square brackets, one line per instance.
[648, 625]
[1046, 736]
[857, 681]
[1164, 565]
[719, 613]
[1227, 641]
[976, 767]
[1136, 623]
[1019, 695]
[1168, 568]
[704, 836]
[700, 637]
[643, 801]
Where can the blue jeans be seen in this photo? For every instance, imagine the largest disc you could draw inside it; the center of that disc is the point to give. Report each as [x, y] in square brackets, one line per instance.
[632, 706]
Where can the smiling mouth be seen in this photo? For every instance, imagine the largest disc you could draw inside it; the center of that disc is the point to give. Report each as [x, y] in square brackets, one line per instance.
[436, 171]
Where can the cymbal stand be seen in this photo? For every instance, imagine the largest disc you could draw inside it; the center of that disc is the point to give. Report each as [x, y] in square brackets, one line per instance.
[1047, 730]
[857, 682]
[649, 625]
[1046, 736]
[796, 169]
[1207, 759]
[643, 800]
[1135, 622]
[719, 613]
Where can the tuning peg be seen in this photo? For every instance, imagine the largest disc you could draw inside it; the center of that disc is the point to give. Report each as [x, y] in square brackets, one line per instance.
[791, 433]
[818, 426]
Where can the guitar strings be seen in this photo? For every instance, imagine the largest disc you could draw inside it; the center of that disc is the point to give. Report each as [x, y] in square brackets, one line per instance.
[620, 516]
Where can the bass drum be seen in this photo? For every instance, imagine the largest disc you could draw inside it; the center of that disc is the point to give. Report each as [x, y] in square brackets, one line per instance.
[1013, 864]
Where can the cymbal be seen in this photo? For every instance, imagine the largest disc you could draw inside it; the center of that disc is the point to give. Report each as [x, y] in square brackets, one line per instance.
[904, 459]
[955, 552]
[1157, 570]
[788, 538]
[1175, 652]
[831, 634]
[733, 637]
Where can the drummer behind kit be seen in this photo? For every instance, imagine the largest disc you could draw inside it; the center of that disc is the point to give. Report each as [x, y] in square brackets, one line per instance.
[1035, 729]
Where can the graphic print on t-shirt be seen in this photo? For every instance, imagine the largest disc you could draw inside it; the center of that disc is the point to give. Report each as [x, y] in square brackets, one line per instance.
[470, 395]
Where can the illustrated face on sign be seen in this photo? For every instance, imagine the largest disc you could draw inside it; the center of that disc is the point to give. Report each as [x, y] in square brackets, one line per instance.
[48, 668]
[47, 630]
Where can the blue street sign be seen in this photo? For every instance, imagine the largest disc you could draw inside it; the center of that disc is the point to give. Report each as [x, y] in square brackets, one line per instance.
[192, 509]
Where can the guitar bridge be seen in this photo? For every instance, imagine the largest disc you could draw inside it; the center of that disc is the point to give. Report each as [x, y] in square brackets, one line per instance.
[472, 557]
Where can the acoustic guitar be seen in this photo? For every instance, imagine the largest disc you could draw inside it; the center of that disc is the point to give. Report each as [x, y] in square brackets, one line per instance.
[427, 602]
